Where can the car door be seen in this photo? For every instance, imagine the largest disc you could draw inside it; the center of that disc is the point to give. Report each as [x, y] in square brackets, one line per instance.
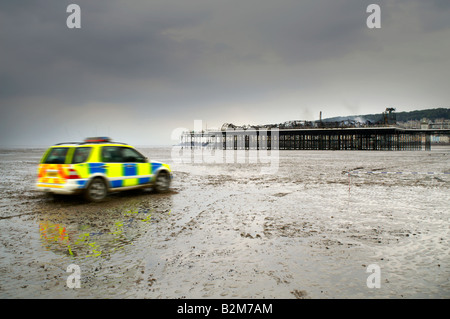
[136, 167]
[112, 158]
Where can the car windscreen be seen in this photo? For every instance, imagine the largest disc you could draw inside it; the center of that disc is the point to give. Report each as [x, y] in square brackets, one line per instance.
[56, 155]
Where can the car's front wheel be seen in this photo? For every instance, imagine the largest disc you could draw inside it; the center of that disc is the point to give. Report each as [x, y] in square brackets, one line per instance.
[96, 190]
[162, 182]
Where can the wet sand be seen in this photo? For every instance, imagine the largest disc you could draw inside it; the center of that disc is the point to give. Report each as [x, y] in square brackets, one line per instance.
[227, 231]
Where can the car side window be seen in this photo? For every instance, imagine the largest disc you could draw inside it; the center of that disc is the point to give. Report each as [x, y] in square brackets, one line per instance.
[117, 154]
[112, 154]
[56, 155]
[81, 154]
[133, 156]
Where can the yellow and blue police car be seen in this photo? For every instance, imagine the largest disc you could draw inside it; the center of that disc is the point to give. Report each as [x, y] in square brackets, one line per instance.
[98, 166]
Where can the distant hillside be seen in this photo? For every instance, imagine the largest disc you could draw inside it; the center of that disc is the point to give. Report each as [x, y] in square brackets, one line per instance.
[431, 114]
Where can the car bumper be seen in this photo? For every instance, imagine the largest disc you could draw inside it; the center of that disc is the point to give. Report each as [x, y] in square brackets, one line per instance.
[70, 187]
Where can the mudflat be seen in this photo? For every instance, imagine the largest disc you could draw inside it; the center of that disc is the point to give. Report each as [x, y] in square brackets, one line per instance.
[224, 230]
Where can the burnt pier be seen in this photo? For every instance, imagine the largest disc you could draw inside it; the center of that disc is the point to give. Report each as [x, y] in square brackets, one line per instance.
[366, 138]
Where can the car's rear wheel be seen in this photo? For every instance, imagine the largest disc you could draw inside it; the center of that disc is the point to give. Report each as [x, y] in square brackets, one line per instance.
[96, 190]
[162, 182]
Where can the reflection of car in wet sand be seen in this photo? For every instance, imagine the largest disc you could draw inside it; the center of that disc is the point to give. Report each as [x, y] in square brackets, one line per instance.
[83, 238]
[98, 166]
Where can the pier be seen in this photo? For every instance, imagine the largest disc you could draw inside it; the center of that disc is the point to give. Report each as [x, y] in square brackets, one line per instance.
[365, 138]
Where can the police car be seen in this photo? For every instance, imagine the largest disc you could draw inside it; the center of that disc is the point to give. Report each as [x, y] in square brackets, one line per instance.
[98, 166]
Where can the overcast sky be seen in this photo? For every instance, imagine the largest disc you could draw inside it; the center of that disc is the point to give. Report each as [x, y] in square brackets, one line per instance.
[138, 69]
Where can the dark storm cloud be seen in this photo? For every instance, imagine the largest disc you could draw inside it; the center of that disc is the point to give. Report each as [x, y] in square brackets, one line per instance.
[176, 60]
[117, 42]
[126, 41]
[122, 42]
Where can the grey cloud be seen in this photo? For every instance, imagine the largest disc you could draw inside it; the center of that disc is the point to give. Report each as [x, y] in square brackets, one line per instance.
[122, 42]
[115, 44]
[178, 59]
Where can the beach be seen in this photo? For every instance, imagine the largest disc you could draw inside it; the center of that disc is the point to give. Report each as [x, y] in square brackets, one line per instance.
[309, 229]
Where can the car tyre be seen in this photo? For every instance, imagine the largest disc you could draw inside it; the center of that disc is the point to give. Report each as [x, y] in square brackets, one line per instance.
[162, 182]
[96, 190]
